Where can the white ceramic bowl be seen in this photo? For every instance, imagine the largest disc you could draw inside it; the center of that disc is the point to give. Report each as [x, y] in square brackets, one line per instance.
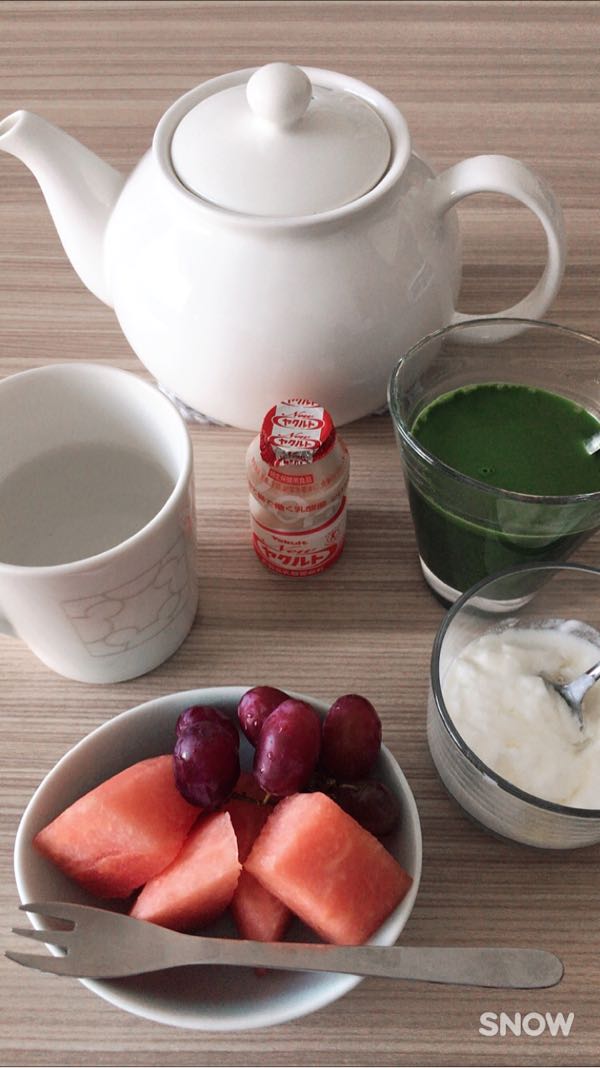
[206, 998]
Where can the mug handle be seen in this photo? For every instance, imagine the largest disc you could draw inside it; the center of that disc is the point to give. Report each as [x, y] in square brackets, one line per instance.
[501, 174]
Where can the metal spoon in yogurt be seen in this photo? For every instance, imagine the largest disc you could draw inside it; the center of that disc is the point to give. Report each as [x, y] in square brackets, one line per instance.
[574, 692]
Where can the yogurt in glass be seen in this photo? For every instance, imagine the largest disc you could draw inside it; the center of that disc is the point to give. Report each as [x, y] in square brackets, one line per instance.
[495, 693]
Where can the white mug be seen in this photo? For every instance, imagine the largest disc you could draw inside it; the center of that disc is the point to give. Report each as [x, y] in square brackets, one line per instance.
[97, 526]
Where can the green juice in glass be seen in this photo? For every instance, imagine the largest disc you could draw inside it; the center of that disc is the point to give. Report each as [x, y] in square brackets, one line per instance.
[516, 438]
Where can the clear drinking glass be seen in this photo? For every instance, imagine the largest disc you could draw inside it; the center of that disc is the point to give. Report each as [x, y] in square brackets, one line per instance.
[468, 529]
[564, 592]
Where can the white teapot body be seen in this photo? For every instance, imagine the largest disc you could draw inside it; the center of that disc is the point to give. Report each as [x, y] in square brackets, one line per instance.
[232, 311]
[230, 320]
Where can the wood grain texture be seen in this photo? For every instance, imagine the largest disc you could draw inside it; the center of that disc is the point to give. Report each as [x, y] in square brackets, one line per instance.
[519, 78]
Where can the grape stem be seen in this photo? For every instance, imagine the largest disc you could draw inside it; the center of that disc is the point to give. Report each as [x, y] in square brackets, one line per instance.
[268, 799]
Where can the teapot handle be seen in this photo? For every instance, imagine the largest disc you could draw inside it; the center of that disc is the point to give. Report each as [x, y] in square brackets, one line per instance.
[501, 174]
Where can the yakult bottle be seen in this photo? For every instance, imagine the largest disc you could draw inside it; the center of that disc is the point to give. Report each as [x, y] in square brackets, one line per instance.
[298, 471]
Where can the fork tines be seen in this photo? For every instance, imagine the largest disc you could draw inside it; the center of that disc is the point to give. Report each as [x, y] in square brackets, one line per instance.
[58, 936]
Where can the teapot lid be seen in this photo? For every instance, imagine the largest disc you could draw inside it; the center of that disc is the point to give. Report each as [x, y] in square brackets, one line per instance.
[279, 145]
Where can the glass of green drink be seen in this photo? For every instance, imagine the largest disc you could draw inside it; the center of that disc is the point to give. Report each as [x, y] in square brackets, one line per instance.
[496, 421]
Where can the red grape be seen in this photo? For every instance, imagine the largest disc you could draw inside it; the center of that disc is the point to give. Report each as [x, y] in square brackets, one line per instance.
[351, 738]
[288, 748]
[207, 765]
[191, 717]
[370, 803]
[254, 708]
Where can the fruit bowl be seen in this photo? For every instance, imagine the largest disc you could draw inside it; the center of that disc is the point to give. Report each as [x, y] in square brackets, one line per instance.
[208, 998]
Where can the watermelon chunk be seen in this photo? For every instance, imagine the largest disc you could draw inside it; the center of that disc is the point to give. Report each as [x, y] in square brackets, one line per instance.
[248, 819]
[199, 884]
[257, 913]
[327, 869]
[123, 832]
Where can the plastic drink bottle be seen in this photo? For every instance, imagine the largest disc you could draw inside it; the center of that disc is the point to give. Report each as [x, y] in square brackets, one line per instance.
[298, 470]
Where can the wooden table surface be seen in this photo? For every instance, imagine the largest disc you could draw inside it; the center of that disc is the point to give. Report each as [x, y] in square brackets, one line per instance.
[518, 78]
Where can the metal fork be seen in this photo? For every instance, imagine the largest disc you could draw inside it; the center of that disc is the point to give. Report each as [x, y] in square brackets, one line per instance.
[102, 945]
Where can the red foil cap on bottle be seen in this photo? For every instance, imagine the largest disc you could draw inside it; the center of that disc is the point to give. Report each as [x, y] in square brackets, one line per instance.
[296, 432]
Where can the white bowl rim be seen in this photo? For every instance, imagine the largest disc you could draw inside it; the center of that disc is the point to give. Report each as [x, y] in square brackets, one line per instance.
[131, 1002]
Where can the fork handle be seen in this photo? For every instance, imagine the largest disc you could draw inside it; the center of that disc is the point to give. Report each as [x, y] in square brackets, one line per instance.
[512, 968]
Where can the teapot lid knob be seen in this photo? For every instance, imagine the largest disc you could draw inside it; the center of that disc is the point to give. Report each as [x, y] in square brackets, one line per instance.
[281, 142]
[280, 93]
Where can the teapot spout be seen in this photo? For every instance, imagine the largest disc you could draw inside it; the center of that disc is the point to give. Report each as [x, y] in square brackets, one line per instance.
[80, 190]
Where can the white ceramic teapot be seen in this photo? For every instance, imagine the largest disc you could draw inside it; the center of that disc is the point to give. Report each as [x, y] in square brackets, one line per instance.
[278, 239]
